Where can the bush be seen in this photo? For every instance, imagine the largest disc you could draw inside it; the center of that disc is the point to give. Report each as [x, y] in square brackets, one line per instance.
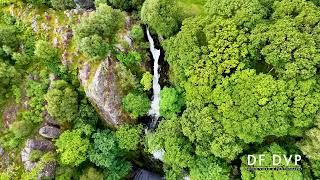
[132, 58]
[136, 105]
[137, 33]
[94, 47]
[106, 154]
[62, 101]
[72, 147]
[48, 55]
[91, 174]
[63, 4]
[96, 33]
[35, 155]
[170, 103]
[146, 81]
[164, 16]
[129, 136]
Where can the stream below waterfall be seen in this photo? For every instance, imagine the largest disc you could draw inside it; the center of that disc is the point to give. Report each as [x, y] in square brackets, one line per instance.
[154, 111]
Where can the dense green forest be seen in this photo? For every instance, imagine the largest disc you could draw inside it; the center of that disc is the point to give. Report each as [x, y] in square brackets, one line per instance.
[238, 78]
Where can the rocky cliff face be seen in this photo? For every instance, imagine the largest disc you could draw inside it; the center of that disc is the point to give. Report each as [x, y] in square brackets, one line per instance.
[102, 88]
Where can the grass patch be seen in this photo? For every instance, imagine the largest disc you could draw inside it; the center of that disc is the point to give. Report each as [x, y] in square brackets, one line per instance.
[192, 7]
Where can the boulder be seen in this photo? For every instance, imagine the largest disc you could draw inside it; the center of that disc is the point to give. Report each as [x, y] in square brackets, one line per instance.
[42, 145]
[102, 88]
[32, 144]
[49, 132]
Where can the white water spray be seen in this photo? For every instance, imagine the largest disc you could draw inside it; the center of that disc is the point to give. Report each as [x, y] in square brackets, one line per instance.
[155, 104]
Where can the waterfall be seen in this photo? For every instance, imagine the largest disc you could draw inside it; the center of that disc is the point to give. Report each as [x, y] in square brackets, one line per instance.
[154, 112]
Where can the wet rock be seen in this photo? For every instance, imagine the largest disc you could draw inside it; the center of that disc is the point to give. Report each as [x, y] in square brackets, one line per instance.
[146, 175]
[49, 132]
[87, 4]
[104, 92]
[158, 154]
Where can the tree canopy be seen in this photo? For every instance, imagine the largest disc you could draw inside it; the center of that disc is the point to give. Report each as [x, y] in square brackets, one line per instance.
[106, 153]
[73, 147]
[62, 101]
[96, 33]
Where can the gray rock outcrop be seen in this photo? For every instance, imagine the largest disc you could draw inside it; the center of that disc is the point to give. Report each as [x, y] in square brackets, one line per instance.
[102, 88]
[49, 132]
[32, 144]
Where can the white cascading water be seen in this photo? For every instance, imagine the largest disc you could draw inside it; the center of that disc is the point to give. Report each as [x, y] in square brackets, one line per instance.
[154, 111]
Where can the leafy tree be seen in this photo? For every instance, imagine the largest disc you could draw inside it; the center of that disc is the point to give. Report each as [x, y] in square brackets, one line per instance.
[94, 47]
[96, 33]
[48, 55]
[38, 2]
[129, 137]
[91, 174]
[72, 147]
[137, 33]
[64, 172]
[257, 106]
[62, 101]
[293, 52]
[106, 154]
[164, 16]
[225, 66]
[126, 4]
[132, 58]
[136, 105]
[8, 39]
[310, 145]
[209, 168]
[208, 135]
[170, 103]
[8, 77]
[315, 168]
[169, 138]
[87, 114]
[122, 4]
[126, 80]
[20, 129]
[146, 81]
[104, 22]
[63, 4]
[36, 91]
